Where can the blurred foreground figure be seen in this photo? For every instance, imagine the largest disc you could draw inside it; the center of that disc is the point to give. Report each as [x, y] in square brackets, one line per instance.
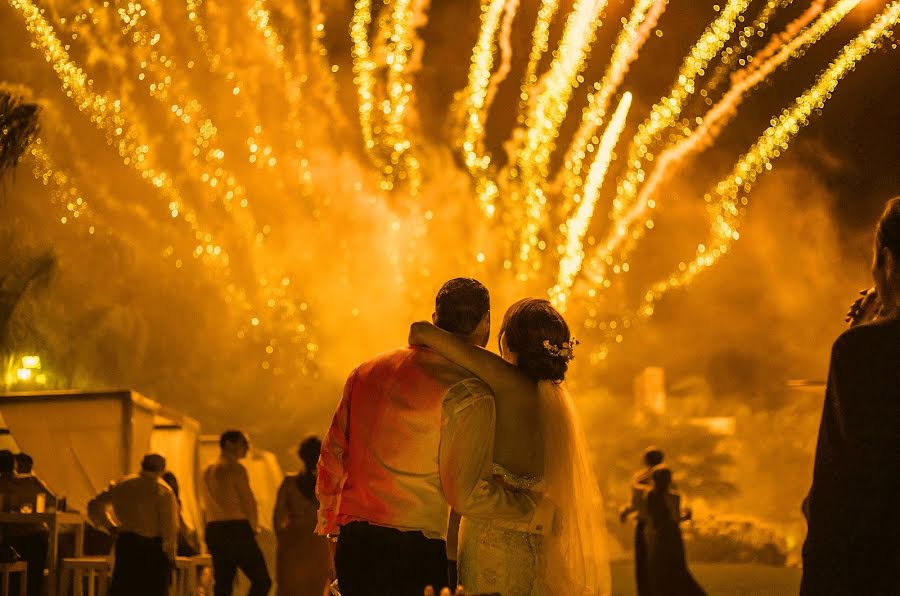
[853, 539]
[231, 519]
[640, 484]
[146, 523]
[303, 564]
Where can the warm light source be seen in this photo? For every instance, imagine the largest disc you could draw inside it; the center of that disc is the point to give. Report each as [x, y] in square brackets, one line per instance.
[31, 362]
[29, 372]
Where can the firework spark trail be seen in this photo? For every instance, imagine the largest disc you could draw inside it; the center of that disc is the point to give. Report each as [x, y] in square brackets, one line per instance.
[532, 161]
[404, 163]
[321, 63]
[63, 192]
[577, 225]
[261, 153]
[364, 71]
[506, 51]
[790, 31]
[107, 116]
[641, 23]
[667, 111]
[206, 154]
[728, 210]
[540, 42]
[202, 149]
[195, 14]
[397, 28]
[705, 135]
[472, 106]
[259, 15]
[734, 53]
[294, 74]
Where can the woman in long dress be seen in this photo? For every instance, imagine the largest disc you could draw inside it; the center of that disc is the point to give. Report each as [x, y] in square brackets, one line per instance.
[303, 562]
[666, 562]
[538, 446]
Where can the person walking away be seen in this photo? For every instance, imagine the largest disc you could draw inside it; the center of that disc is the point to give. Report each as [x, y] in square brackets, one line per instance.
[303, 563]
[145, 521]
[231, 519]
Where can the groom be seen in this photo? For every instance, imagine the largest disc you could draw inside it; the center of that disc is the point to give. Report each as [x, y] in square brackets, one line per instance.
[399, 454]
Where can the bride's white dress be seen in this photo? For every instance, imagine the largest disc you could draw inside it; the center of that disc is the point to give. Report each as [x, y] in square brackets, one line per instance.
[571, 559]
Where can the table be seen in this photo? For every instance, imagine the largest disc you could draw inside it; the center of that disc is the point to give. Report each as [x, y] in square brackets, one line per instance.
[54, 522]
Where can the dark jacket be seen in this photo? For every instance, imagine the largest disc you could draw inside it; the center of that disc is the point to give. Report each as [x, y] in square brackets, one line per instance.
[853, 539]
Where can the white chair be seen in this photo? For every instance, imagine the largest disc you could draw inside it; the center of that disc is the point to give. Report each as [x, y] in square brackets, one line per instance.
[78, 573]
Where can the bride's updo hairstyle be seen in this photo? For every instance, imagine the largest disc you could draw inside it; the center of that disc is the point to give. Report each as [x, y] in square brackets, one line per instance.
[526, 326]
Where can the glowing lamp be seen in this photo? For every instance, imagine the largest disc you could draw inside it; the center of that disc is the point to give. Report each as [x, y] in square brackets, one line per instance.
[31, 362]
[23, 374]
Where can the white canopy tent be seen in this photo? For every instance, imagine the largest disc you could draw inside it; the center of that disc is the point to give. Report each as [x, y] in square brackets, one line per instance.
[83, 440]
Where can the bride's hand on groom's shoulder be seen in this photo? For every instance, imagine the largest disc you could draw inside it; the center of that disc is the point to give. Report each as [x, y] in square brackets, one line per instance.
[418, 332]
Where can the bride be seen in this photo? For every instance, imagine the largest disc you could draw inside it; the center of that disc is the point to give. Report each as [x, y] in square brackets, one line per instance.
[539, 446]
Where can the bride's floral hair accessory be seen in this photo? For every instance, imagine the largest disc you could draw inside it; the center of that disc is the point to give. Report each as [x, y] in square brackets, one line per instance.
[566, 350]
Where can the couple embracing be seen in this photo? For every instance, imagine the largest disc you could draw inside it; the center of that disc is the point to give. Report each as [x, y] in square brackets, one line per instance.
[445, 423]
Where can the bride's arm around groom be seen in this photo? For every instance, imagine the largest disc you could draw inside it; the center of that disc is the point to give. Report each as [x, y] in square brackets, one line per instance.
[466, 459]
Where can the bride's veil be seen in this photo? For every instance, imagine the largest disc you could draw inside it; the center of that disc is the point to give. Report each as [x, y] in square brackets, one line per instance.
[576, 560]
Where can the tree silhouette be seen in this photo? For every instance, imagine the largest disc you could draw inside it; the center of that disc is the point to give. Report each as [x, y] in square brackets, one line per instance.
[18, 126]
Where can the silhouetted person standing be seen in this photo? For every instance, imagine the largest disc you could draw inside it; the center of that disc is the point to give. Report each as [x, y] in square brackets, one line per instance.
[853, 507]
[303, 566]
[188, 545]
[147, 529]
[667, 570]
[640, 484]
[231, 519]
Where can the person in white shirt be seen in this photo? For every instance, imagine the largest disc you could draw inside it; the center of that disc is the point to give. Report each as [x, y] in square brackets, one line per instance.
[231, 519]
[145, 520]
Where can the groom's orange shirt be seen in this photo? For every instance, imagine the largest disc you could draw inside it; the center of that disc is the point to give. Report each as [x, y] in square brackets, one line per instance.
[413, 436]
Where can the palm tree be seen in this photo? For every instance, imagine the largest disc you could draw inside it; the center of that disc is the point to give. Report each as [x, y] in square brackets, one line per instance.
[18, 126]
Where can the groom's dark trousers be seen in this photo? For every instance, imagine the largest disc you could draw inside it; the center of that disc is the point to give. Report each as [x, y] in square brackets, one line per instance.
[376, 561]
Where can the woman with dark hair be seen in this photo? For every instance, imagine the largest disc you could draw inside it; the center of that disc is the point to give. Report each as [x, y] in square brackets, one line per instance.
[852, 543]
[539, 446]
[303, 563]
[188, 543]
[666, 564]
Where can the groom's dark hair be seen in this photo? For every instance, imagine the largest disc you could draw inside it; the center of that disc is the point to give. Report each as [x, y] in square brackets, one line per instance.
[460, 305]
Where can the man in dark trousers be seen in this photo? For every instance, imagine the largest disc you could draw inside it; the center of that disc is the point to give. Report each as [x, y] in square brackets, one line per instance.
[640, 484]
[394, 460]
[853, 507]
[146, 528]
[231, 519]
